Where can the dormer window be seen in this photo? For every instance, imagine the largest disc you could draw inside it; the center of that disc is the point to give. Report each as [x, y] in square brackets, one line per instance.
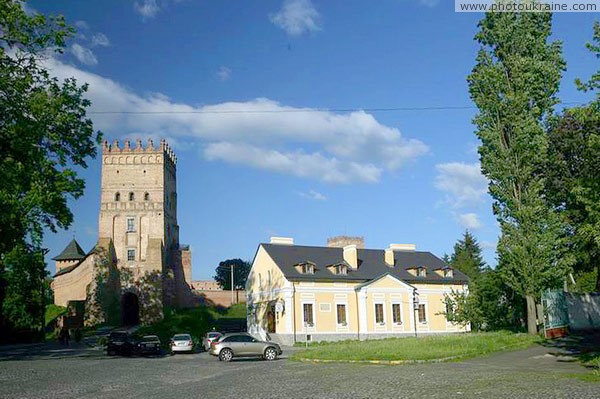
[339, 268]
[421, 272]
[307, 268]
[448, 273]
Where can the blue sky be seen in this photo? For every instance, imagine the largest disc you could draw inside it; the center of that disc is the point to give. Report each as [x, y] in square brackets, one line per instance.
[304, 154]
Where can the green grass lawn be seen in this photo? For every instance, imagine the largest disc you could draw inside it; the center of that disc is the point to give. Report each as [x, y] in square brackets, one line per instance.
[411, 349]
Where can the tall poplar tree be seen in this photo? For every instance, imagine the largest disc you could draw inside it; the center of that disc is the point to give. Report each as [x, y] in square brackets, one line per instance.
[514, 85]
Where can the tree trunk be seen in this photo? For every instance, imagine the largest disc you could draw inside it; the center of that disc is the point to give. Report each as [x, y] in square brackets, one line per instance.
[531, 315]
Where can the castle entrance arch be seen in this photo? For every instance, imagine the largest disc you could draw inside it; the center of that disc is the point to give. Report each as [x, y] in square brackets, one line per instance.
[130, 309]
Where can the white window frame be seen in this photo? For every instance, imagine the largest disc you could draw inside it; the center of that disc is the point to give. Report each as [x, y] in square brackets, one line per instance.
[426, 314]
[401, 318]
[132, 220]
[314, 314]
[345, 305]
[375, 313]
[128, 250]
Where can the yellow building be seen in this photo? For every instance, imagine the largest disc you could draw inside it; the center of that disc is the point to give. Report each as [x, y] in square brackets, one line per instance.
[297, 293]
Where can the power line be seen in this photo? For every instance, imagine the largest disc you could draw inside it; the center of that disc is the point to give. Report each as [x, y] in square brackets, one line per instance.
[301, 110]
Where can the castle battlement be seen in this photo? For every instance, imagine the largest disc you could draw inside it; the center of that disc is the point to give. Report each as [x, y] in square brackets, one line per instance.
[115, 148]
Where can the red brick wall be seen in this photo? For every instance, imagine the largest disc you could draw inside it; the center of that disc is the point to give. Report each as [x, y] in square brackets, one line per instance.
[220, 298]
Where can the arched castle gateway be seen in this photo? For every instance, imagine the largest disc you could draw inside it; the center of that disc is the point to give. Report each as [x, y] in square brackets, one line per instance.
[138, 265]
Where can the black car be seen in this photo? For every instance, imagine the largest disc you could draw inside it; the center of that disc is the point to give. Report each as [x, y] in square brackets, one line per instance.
[121, 343]
[149, 345]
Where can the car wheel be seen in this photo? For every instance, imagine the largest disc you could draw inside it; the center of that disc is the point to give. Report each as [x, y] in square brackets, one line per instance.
[270, 354]
[226, 355]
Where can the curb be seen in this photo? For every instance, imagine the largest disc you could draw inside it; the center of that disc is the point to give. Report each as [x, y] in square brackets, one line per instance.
[385, 362]
[401, 362]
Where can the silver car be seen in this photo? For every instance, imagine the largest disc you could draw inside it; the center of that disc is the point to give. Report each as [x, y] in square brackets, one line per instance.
[209, 338]
[242, 345]
[182, 343]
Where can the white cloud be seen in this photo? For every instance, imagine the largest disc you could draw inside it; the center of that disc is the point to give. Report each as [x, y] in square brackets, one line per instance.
[224, 73]
[469, 221]
[260, 133]
[82, 25]
[100, 39]
[297, 17]
[146, 8]
[83, 54]
[313, 195]
[463, 183]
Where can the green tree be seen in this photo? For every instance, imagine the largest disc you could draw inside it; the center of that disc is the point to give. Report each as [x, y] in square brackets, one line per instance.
[467, 256]
[44, 136]
[573, 184]
[241, 269]
[514, 85]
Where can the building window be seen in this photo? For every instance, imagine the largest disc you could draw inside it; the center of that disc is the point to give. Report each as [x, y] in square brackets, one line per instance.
[130, 224]
[396, 313]
[131, 196]
[130, 254]
[341, 314]
[447, 273]
[422, 313]
[449, 310]
[146, 197]
[421, 272]
[307, 268]
[341, 269]
[308, 314]
[379, 313]
[118, 197]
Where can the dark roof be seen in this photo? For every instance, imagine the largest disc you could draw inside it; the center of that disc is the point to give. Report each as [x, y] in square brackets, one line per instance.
[371, 264]
[71, 252]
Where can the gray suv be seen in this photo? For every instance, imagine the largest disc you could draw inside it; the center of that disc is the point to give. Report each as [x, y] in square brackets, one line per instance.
[242, 345]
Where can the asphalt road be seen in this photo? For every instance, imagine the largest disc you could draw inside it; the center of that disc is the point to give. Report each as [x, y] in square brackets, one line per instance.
[44, 371]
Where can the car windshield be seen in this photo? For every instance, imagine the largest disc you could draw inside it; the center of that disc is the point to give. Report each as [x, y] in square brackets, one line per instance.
[213, 335]
[182, 337]
[150, 338]
[118, 336]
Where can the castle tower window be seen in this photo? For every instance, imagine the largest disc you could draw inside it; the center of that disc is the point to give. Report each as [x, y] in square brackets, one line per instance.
[146, 197]
[130, 224]
[131, 196]
[118, 197]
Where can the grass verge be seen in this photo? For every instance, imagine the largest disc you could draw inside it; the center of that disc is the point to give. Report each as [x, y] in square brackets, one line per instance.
[590, 361]
[414, 350]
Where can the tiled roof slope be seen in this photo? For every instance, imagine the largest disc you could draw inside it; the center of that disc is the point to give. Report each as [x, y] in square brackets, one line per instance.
[371, 264]
[71, 252]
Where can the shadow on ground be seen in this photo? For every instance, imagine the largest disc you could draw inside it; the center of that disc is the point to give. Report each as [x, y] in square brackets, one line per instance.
[573, 348]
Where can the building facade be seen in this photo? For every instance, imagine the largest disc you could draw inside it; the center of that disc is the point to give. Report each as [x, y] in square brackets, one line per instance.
[138, 237]
[298, 293]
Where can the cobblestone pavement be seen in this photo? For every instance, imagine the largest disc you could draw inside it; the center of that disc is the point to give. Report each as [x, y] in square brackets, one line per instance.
[54, 372]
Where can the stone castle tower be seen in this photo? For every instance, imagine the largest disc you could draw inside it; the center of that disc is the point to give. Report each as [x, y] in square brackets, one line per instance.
[138, 230]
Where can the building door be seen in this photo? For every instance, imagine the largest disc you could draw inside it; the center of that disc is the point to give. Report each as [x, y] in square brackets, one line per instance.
[271, 320]
[130, 309]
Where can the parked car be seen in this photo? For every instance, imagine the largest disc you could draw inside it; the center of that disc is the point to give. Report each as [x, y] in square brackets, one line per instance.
[121, 343]
[149, 344]
[242, 345]
[209, 338]
[182, 343]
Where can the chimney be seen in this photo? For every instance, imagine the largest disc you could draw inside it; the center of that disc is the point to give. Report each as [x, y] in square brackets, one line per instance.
[390, 259]
[351, 255]
[282, 240]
